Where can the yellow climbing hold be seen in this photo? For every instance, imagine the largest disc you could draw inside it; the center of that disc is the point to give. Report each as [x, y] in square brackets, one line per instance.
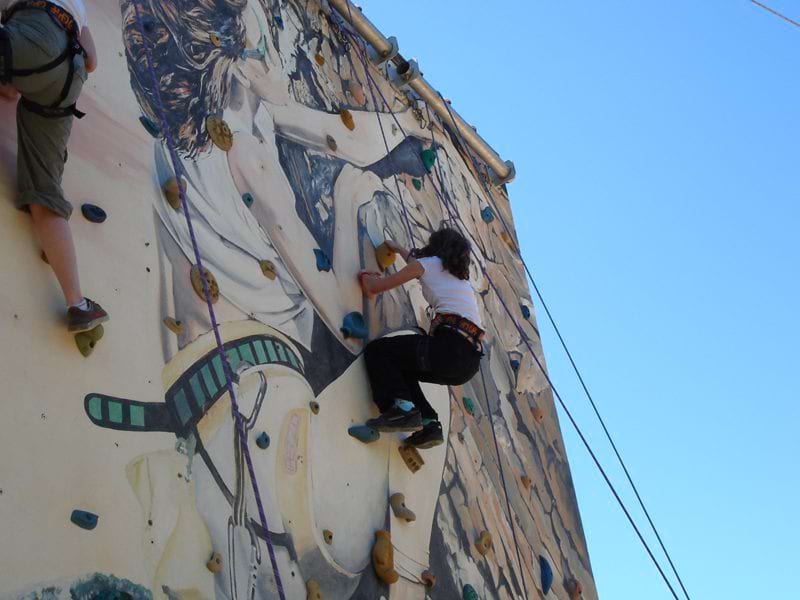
[327, 535]
[214, 564]
[171, 192]
[268, 269]
[211, 282]
[312, 590]
[347, 119]
[484, 543]
[383, 558]
[357, 92]
[411, 457]
[215, 39]
[507, 239]
[385, 256]
[220, 133]
[87, 340]
[319, 59]
[526, 481]
[173, 325]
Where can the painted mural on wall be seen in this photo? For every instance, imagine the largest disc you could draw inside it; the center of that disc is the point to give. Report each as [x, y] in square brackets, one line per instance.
[286, 211]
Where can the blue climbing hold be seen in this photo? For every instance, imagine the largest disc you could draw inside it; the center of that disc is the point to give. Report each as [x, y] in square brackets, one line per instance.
[279, 21]
[323, 262]
[526, 312]
[84, 519]
[487, 214]
[247, 198]
[547, 574]
[515, 365]
[93, 213]
[470, 593]
[364, 434]
[262, 441]
[150, 126]
[353, 326]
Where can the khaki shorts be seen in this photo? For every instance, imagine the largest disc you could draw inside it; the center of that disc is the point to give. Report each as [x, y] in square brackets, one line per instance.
[41, 141]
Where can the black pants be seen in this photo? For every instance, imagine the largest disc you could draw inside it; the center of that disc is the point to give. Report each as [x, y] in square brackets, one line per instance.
[396, 366]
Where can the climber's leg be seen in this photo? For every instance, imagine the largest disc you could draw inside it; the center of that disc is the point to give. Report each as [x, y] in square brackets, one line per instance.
[55, 237]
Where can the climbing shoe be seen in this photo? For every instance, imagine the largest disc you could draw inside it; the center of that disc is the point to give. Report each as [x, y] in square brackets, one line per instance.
[428, 437]
[83, 320]
[397, 419]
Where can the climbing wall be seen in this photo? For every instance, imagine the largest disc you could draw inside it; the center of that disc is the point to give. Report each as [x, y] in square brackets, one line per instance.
[121, 475]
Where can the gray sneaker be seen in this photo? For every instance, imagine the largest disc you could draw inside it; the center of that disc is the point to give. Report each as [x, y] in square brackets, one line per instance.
[396, 419]
[83, 320]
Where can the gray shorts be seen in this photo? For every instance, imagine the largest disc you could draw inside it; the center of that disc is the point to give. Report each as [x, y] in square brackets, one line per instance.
[42, 141]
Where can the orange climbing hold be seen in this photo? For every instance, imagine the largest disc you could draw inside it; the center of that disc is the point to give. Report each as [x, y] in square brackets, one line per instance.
[428, 578]
[383, 558]
[357, 92]
[319, 59]
[526, 481]
[171, 192]
[538, 414]
[347, 119]
[211, 282]
[411, 457]
[574, 589]
[484, 543]
[268, 269]
[215, 39]
[385, 256]
[327, 535]
[215, 563]
[173, 325]
[401, 511]
[220, 133]
[312, 590]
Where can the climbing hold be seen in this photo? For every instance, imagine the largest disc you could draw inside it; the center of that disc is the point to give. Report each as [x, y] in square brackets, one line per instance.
[93, 214]
[547, 574]
[526, 312]
[247, 198]
[87, 340]
[312, 590]
[401, 511]
[364, 434]
[428, 578]
[469, 405]
[173, 325]
[383, 558]
[323, 262]
[470, 593]
[428, 158]
[150, 126]
[417, 183]
[319, 59]
[357, 92]
[574, 589]
[507, 239]
[347, 119]
[215, 39]
[171, 192]
[214, 564]
[262, 441]
[84, 519]
[538, 414]
[331, 143]
[327, 535]
[484, 543]
[526, 481]
[314, 406]
[268, 269]
[514, 365]
[211, 283]
[385, 256]
[278, 21]
[487, 214]
[43, 256]
[411, 457]
[220, 133]
[353, 326]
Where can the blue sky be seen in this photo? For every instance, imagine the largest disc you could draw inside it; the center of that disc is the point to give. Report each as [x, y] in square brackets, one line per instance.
[657, 204]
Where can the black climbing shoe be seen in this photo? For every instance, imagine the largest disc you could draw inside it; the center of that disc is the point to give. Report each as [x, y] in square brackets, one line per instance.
[397, 419]
[428, 437]
[83, 320]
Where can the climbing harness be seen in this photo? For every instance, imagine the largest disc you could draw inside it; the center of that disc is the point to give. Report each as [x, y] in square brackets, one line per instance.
[67, 22]
[462, 325]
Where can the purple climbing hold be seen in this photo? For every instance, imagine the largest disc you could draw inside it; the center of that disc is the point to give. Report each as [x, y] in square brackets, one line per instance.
[323, 262]
[487, 214]
[93, 214]
[354, 326]
[547, 574]
[84, 519]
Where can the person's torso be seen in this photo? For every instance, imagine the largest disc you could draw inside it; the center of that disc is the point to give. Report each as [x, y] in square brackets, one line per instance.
[74, 7]
[447, 293]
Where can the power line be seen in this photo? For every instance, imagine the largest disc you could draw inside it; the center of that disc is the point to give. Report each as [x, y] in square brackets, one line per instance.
[776, 13]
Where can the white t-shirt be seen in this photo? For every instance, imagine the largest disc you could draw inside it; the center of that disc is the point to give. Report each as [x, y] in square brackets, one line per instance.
[74, 7]
[446, 293]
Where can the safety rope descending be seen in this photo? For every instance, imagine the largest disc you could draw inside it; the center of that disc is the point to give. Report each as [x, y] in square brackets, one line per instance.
[240, 428]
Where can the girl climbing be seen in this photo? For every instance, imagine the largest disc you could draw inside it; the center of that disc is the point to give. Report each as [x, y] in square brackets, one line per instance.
[451, 352]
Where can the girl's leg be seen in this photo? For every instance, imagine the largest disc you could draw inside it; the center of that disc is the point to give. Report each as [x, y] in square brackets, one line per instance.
[56, 239]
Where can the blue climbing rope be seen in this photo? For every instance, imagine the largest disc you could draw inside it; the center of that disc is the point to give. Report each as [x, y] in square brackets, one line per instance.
[177, 167]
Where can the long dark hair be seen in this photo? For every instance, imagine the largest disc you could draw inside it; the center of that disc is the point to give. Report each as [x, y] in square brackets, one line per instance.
[452, 247]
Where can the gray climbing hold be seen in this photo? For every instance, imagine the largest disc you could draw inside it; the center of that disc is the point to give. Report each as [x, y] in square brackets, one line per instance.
[401, 511]
[84, 519]
[364, 434]
[262, 441]
[314, 406]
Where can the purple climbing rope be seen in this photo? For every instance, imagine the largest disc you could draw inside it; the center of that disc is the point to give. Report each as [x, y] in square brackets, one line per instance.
[240, 431]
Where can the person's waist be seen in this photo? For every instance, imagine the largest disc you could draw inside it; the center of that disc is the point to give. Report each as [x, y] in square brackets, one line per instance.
[459, 323]
[65, 19]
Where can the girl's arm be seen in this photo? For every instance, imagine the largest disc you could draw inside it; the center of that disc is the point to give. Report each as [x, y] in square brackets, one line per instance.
[395, 247]
[87, 42]
[374, 284]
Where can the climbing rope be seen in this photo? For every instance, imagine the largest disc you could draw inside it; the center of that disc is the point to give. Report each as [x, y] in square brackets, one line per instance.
[563, 343]
[524, 338]
[179, 171]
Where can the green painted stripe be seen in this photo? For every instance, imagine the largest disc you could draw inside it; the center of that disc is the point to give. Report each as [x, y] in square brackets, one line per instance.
[233, 359]
[271, 351]
[114, 411]
[184, 413]
[247, 354]
[137, 415]
[208, 378]
[216, 362]
[281, 352]
[293, 359]
[197, 391]
[262, 356]
[96, 408]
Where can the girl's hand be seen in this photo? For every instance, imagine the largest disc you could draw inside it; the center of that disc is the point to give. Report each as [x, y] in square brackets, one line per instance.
[368, 280]
[8, 92]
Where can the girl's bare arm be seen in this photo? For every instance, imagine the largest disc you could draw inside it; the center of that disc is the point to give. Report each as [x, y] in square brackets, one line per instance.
[91, 52]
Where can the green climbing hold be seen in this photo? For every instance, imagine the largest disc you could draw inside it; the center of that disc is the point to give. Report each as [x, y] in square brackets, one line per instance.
[247, 198]
[87, 340]
[469, 405]
[417, 183]
[428, 158]
[84, 519]
[262, 441]
[470, 593]
[364, 434]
